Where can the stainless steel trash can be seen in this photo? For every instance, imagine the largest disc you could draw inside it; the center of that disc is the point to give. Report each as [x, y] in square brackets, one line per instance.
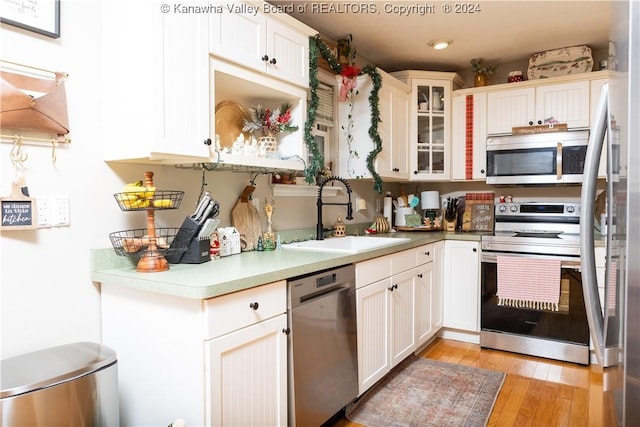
[69, 385]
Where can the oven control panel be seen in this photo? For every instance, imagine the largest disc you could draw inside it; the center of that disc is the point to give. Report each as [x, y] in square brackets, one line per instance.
[538, 209]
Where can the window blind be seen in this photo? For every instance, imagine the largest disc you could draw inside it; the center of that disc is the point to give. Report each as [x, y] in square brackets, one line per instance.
[325, 110]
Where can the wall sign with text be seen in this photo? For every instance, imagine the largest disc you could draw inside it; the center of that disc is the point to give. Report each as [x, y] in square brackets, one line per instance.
[18, 211]
[39, 16]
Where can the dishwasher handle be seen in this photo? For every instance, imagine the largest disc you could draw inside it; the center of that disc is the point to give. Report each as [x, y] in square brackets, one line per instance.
[324, 292]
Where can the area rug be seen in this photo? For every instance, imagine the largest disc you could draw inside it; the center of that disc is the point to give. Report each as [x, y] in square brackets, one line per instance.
[425, 392]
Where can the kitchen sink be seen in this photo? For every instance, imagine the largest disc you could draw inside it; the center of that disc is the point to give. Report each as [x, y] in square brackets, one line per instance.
[348, 244]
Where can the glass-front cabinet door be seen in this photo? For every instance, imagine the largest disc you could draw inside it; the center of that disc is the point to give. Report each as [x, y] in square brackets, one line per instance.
[431, 155]
[430, 149]
[430, 122]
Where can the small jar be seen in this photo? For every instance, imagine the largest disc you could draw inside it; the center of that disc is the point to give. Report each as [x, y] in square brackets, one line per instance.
[514, 76]
[339, 228]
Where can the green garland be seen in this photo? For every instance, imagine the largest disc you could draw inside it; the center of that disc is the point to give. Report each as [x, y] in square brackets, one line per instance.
[374, 102]
[316, 165]
[317, 46]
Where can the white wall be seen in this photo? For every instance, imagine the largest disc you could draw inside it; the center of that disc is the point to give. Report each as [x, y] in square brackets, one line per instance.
[46, 295]
[47, 298]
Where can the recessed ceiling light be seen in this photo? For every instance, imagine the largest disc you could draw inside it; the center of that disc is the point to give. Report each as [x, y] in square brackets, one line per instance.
[440, 44]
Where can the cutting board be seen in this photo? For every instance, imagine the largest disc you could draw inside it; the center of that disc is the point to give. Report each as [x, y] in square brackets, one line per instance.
[246, 220]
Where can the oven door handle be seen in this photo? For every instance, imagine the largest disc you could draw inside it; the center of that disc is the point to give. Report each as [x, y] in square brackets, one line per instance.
[492, 258]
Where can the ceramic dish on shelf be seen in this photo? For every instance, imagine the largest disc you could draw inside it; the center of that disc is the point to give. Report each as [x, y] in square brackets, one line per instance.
[560, 62]
[230, 117]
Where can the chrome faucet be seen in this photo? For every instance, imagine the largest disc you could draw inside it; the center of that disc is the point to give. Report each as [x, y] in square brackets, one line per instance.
[320, 203]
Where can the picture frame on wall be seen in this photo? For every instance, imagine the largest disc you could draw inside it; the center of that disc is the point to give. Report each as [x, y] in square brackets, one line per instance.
[41, 16]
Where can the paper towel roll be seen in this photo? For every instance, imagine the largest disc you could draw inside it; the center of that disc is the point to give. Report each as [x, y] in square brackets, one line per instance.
[430, 199]
[387, 209]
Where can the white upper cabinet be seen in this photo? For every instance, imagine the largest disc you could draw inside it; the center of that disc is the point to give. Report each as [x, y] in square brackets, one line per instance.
[154, 90]
[429, 123]
[469, 137]
[273, 43]
[354, 122]
[509, 108]
[262, 59]
[393, 161]
[566, 102]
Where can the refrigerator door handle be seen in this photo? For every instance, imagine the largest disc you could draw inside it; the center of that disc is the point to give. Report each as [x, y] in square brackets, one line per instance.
[587, 250]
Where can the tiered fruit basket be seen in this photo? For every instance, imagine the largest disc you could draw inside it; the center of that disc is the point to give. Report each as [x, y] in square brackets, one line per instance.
[149, 245]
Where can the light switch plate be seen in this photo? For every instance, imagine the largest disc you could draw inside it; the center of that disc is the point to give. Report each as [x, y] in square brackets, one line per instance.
[60, 211]
[43, 205]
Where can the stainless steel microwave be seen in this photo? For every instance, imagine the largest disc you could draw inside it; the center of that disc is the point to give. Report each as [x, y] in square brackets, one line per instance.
[541, 158]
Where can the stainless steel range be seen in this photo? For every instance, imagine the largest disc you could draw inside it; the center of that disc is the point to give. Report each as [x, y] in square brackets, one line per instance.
[532, 301]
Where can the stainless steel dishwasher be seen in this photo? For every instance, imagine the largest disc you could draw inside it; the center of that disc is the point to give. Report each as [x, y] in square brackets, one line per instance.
[323, 362]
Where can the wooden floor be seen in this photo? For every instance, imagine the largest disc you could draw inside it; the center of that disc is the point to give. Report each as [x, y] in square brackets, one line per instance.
[536, 392]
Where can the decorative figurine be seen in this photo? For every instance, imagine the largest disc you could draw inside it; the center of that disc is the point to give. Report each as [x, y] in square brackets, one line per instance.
[268, 237]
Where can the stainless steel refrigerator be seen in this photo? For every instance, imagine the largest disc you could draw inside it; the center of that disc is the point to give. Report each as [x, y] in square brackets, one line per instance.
[615, 322]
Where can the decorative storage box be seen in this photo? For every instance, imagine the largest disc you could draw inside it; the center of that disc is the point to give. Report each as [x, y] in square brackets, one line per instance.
[478, 212]
[560, 62]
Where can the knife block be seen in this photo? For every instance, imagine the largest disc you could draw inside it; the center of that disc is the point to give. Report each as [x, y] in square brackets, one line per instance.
[184, 239]
[450, 225]
[197, 253]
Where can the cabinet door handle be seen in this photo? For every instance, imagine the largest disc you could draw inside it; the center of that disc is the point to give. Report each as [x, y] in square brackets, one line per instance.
[420, 275]
[254, 305]
[265, 58]
[286, 331]
[207, 141]
[427, 253]
[475, 249]
[273, 61]
[482, 171]
[415, 172]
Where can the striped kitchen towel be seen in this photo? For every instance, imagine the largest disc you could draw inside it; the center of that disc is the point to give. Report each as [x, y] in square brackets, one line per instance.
[528, 282]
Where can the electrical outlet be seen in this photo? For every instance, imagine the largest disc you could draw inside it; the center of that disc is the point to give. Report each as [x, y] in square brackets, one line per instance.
[60, 211]
[43, 205]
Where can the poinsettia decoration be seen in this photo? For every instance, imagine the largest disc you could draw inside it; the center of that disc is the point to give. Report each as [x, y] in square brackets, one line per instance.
[269, 122]
[348, 70]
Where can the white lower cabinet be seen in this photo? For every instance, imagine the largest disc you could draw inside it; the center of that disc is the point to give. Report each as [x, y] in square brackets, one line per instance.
[402, 315]
[437, 298]
[372, 308]
[428, 304]
[246, 374]
[461, 285]
[392, 310]
[219, 361]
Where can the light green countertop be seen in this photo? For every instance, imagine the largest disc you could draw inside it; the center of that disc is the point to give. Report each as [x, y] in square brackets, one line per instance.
[245, 270]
